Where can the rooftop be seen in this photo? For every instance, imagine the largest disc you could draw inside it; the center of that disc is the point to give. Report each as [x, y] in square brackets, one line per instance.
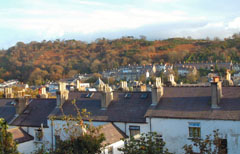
[19, 135]
[36, 113]
[121, 109]
[194, 103]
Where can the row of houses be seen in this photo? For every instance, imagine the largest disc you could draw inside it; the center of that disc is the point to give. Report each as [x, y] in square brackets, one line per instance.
[178, 113]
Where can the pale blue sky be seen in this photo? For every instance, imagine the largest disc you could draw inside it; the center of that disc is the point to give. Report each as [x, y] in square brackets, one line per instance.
[87, 20]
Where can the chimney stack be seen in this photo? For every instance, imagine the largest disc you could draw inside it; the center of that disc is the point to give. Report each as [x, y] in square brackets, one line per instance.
[62, 94]
[171, 79]
[216, 90]
[8, 92]
[157, 92]
[43, 92]
[107, 97]
[21, 104]
[228, 81]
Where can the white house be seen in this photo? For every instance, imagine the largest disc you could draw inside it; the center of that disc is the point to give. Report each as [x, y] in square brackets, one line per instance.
[183, 113]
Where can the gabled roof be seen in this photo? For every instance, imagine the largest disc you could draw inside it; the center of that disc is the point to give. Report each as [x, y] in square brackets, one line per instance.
[99, 82]
[7, 109]
[112, 134]
[195, 103]
[36, 113]
[19, 135]
[121, 109]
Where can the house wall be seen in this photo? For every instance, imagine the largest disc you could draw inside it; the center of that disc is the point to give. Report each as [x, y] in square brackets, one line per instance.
[115, 146]
[26, 147]
[144, 127]
[36, 144]
[176, 134]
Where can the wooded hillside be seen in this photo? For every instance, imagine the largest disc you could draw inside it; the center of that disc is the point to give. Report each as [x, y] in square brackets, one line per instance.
[38, 62]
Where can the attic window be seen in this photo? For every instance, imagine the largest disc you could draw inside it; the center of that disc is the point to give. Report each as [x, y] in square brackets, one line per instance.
[127, 95]
[89, 95]
[144, 96]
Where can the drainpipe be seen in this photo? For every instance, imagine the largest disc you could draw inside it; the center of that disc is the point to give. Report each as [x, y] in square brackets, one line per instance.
[125, 127]
[150, 121]
[52, 132]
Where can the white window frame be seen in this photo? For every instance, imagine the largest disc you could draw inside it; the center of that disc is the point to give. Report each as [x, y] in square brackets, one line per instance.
[194, 126]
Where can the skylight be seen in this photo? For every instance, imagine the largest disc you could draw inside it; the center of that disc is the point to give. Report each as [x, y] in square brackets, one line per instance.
[144, 96]
[89, 95]
[128, 95]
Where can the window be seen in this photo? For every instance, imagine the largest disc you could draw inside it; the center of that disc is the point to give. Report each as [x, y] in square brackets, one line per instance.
[144, 96]
[194, 130]
[223, 146]
[134, 130]
[57, 139]
[38, 135]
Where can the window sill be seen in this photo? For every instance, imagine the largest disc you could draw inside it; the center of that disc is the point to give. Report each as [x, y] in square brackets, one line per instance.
[194, 138]
[38, 141]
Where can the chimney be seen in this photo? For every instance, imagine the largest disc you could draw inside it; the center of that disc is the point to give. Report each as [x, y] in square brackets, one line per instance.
[21, 104]
[157, 92]
[171, 79]
[216, 90]
[62, 94]
[8, 92]
[43, 92]
[228, 81]
[78, 85]
[107, 97]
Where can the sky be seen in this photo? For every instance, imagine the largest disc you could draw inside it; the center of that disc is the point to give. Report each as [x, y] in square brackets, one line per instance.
[87, 20]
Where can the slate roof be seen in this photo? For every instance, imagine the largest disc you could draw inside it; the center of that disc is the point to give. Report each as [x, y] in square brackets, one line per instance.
[36, 113]
[7, 110]
[19, 135]
[194, 103]
[121, 109]
[112, 134]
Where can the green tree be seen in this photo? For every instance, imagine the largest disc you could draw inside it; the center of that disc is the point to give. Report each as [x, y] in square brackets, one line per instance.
[150, 143]
[7, 145]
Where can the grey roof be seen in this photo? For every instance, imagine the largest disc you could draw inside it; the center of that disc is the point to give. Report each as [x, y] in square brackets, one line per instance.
[121, 109]
[7, 109]
[195, 103]
[36, 113]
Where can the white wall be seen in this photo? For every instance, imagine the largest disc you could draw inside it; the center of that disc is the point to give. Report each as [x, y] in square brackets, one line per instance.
[115, 146]
[175, 132]
[26, 147]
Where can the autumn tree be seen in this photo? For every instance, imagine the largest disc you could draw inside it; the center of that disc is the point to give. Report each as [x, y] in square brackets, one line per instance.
[7, 145]
[150, 143]
[212, 144]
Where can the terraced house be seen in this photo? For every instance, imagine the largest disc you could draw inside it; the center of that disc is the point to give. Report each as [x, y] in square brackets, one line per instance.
[178, 113]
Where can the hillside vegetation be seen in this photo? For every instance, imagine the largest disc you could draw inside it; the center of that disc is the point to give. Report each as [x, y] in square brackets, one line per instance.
[38, 62]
